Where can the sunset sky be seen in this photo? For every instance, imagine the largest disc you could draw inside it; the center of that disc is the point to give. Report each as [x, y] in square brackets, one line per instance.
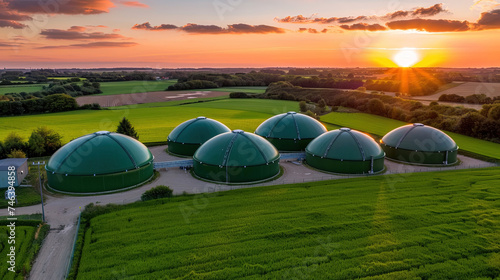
[247, 33]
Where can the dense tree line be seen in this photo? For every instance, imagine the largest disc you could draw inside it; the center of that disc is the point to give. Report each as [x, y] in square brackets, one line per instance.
[470, 99]
[48, 104]
[61, 87]
[483, 124]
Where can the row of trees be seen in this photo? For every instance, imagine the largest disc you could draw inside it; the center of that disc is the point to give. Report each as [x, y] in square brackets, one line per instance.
[48, 104]
[470, 99]
[42, 142]
[483, 124]
[61, 87]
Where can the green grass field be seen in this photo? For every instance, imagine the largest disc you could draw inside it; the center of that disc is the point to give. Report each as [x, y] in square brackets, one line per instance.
[439, 225]
[26, 248]
[20, 88]
[112, 88]
[25, 196]
[152, 124]
[380, 126]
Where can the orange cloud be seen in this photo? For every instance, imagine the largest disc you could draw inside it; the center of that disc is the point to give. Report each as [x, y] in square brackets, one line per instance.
[94, 45]
[134, 4]
[489, 20]
[77, 33]
[73, 7]
[363, 26]
[193, 28]
[430, 25]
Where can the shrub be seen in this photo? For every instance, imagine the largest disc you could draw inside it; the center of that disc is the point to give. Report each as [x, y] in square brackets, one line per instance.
[157, 192]
[303, 106]
[16, 154]
[311, 114]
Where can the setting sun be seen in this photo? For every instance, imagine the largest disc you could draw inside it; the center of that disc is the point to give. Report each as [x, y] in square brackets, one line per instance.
[406, 58]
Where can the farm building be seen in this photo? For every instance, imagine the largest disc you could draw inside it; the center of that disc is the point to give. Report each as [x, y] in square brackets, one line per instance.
[21, 170]
[345, 151]
[290, 131]
[99, 162]
[236, 157]
[187, 137]
[421, 144]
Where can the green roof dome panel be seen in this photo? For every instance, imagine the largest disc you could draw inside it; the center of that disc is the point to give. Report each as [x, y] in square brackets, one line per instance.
[345, 144]
[290, 125]
[345, 151]
[236, 148]
[197, 131]
[419, 137]
[99, 153]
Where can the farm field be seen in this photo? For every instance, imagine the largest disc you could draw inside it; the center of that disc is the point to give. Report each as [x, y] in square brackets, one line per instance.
[112, 88]
[466, 89]
[20, 88]
[438, 225]
[26, 248]
[380, 126]
[240, 89]
[152, 124]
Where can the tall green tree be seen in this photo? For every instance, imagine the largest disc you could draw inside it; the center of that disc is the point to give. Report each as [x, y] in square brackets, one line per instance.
[125, 127]
[44, 141]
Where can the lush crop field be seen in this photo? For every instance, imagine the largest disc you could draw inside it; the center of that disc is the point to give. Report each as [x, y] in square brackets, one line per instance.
[380, 126]
[111, 88]
[20, 88]
[152, 124]
[26, 248]
[439, 225]
[25, 196]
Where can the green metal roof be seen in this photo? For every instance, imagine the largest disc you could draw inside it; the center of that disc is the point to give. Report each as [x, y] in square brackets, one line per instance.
[237, 148]
[345, 144]
[290, 126]
[419, 137]
[102, 152]
[197, 131]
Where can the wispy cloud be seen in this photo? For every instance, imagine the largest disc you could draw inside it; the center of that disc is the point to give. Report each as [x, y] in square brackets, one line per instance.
[193, 28]
[93, 45]
[78, 33]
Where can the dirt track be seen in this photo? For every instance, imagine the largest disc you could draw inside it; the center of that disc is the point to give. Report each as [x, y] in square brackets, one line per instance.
[146, 97]
[62, 211]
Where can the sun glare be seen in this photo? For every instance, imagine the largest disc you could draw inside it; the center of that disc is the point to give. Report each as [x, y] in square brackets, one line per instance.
[406, 58]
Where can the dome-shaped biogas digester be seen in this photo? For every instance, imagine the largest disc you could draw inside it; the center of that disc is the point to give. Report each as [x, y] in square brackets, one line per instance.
[345, 151]
[290, 131]
[99, 162]
[420, 144]
[236, 157]
[187, 137]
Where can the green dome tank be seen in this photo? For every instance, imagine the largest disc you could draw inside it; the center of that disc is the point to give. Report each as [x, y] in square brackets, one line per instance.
[236, 157]
[345, 151]
[420, 144]
[290, 131]
[187, 137]
[99, 162]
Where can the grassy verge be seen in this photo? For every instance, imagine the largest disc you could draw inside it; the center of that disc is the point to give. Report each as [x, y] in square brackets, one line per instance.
[26, 196]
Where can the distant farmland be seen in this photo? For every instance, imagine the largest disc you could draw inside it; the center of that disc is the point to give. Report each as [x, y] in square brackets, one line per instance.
[436, 225]
[21, 88]
[112, 88]
[466, 89]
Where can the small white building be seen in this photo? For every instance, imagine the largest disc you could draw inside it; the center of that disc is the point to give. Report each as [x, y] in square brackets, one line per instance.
[21, 168]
